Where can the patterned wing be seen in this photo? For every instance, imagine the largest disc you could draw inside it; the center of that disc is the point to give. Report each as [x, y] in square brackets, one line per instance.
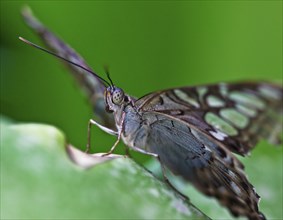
[89, 83]
[234, 116]
[216, 175]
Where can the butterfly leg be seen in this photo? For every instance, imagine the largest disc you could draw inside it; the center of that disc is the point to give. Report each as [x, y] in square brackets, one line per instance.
[107, 130]
[127, 152]
[114, 145]
[165, 178]
[119, 133]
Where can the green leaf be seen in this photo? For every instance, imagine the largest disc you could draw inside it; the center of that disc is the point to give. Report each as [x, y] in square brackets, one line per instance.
[44, 179]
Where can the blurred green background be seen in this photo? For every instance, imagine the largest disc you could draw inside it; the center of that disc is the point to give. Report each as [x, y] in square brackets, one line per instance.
[148, 46]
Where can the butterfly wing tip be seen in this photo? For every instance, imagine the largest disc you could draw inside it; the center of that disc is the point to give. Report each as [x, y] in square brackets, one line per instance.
[26, 11]
[257, 216]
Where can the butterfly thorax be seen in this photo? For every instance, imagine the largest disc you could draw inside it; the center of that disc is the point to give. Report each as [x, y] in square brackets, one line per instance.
[126, 116]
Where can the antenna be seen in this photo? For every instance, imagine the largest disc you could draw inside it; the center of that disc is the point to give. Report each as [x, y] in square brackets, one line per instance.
[68, 61]
[106, 69]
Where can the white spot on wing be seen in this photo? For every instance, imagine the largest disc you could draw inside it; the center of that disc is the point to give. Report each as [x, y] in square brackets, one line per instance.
[214, 101]
[270, 92]
[218, 135]
[247, 111]
[236, 188]
[238, 119]
[219, 124]
[247, 99]
[185, 97]
[207, 148]
[201, 92]
[223, 89]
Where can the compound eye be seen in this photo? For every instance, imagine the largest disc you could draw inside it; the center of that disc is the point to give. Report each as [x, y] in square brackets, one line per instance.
[118, 96]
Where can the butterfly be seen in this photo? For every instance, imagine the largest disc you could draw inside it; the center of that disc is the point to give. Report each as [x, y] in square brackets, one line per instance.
[193, 131]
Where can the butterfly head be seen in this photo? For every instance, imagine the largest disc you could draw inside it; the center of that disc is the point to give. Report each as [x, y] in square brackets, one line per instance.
[115, 98]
